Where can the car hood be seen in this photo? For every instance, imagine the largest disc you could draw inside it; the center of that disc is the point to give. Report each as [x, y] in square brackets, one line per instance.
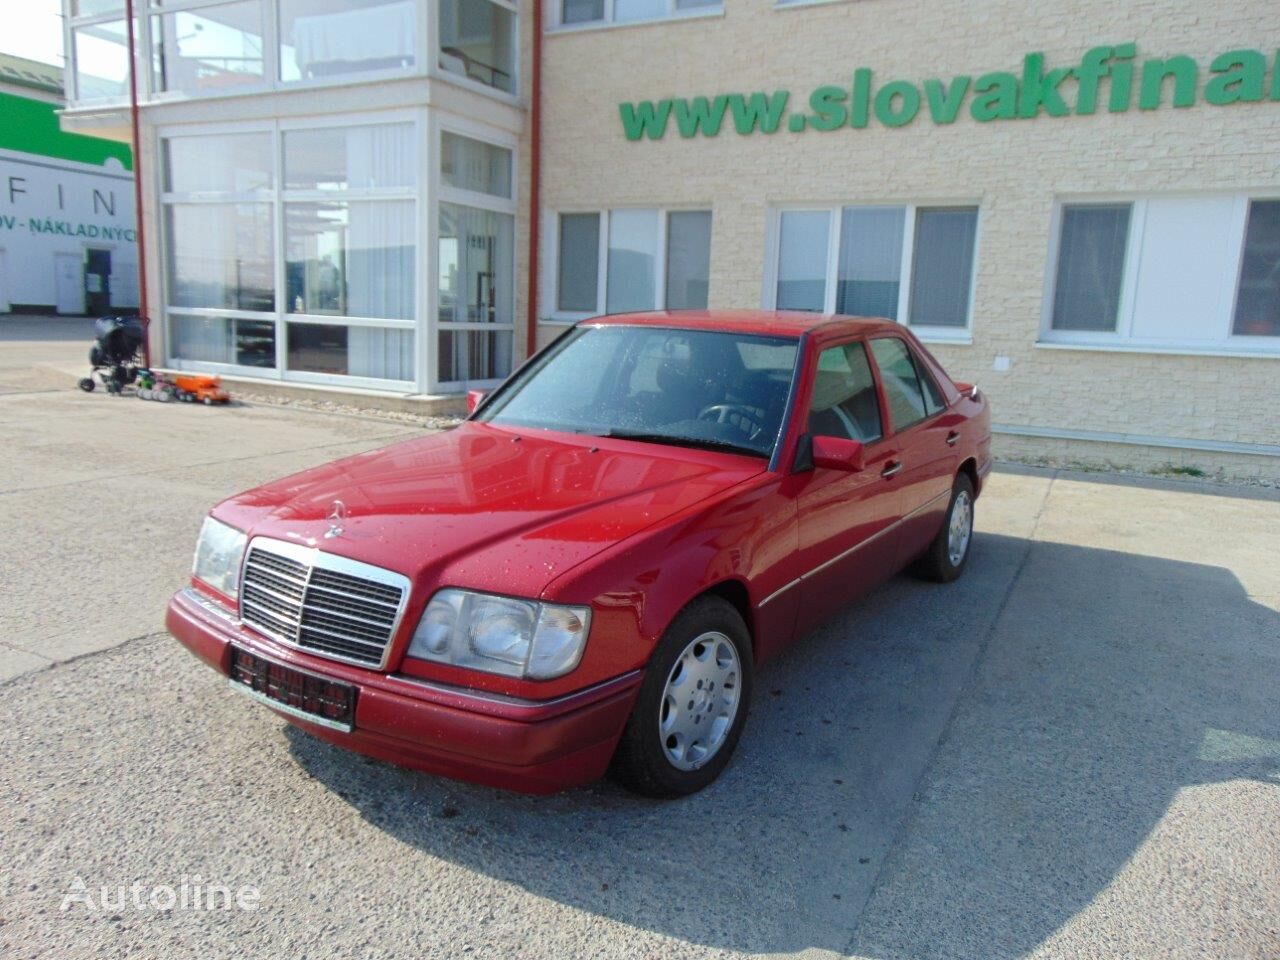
[485, 507]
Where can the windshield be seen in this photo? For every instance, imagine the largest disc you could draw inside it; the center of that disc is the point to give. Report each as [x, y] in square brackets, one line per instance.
[693, 388]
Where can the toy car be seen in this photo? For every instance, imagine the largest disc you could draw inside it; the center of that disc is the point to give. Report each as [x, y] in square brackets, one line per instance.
[187, 388]
[151, 386]
[200, 389]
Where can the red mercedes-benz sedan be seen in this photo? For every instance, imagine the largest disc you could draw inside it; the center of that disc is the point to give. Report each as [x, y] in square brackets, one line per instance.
[585, 575]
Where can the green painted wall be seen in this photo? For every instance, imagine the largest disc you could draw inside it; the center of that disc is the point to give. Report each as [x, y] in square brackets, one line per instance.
[31, 126]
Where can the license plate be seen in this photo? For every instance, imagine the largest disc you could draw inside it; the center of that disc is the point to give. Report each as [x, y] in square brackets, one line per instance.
[330, 703]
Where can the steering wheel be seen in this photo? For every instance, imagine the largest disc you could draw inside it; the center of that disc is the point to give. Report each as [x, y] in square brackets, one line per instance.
[735, 414]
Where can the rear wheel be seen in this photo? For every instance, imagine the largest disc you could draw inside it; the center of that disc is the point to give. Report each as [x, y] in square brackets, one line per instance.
[946, 557]
[86, 384]
[692, 704]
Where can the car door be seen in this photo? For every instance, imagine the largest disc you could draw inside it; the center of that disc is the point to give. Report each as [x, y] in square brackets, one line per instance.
[926, 439]
[844, 517]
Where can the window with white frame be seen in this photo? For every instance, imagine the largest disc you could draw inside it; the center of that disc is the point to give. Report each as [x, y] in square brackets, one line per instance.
[294, 250]
[475, 261]
[209, 49]
[571, 13]
[478, 41]
[340, 38]
[1185, 272]
[198, 48]
[90, 8]
[913, 264]
[98, 51]
[617, 261]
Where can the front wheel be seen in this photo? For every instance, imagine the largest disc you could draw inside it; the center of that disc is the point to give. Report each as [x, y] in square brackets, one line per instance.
[947, 555]
[692, 704]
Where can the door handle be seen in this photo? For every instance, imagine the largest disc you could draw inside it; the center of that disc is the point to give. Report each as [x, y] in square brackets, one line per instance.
[953, 438]
[891, 468]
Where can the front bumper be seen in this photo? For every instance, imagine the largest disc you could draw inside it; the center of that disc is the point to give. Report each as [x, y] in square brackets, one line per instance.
[526, 745]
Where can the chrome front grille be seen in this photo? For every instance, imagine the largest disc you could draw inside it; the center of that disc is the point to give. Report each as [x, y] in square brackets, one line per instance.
[325, 604]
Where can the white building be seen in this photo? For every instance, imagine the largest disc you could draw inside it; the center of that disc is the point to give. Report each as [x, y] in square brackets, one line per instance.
[331, 185]
[67, 228]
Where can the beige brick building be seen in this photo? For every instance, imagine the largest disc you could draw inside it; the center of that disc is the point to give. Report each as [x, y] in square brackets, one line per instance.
[1093, 234]
[1184, 392]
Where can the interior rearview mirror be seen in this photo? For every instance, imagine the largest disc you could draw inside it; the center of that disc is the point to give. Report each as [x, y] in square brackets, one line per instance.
[474, 399]
[837, 453]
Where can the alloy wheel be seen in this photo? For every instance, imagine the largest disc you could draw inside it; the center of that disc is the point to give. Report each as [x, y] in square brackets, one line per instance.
[700, 701]
[961, 529]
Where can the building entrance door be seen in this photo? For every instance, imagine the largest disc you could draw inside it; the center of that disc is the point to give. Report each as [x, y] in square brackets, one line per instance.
[69, 283]
[97, 282]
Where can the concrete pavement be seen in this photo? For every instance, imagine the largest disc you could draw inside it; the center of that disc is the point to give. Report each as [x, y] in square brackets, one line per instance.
[100, 497]
[1073, 751]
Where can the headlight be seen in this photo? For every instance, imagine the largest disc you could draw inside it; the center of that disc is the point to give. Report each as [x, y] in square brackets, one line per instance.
[504, 635]
[218, 554]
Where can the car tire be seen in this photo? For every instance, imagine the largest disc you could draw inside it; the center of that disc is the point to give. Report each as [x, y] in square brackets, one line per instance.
[704, 658]
[947, 556]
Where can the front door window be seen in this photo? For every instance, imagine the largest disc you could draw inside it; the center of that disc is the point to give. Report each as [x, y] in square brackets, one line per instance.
[844, 400]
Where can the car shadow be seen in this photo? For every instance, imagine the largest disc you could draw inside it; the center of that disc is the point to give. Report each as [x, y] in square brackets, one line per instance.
[975, 761]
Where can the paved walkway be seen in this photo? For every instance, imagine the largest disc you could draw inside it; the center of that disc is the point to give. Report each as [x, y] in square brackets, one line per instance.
[1073, 751]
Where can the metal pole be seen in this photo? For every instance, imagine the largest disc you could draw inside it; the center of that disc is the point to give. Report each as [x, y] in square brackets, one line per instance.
[140, 233]
[535, 178]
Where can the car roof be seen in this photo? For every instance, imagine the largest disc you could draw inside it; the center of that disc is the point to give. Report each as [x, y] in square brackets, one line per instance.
[775, 323]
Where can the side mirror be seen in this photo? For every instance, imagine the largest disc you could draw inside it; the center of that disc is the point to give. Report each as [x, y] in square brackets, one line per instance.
[474, 399]
[836, 453]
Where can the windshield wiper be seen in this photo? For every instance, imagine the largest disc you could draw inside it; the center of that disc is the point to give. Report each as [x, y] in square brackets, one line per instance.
[703, 443]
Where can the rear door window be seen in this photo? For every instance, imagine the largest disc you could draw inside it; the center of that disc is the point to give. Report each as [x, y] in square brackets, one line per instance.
[933, 399]
[902, 389]
[844, 400]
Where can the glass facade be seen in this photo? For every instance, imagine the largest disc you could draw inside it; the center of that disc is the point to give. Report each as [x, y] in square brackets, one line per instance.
[245, 343]
[220, 255]
[323, 39]
[478, 41]
[472, 165]
[299, 248]
[476, 296]
[100, 60]
[89, 8]
[208, 50]
[203, 48]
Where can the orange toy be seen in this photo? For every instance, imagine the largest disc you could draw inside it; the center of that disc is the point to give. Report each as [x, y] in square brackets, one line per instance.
[200, 389]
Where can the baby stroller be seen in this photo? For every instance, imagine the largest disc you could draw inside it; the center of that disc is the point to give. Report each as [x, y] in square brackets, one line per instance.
[114, 354]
